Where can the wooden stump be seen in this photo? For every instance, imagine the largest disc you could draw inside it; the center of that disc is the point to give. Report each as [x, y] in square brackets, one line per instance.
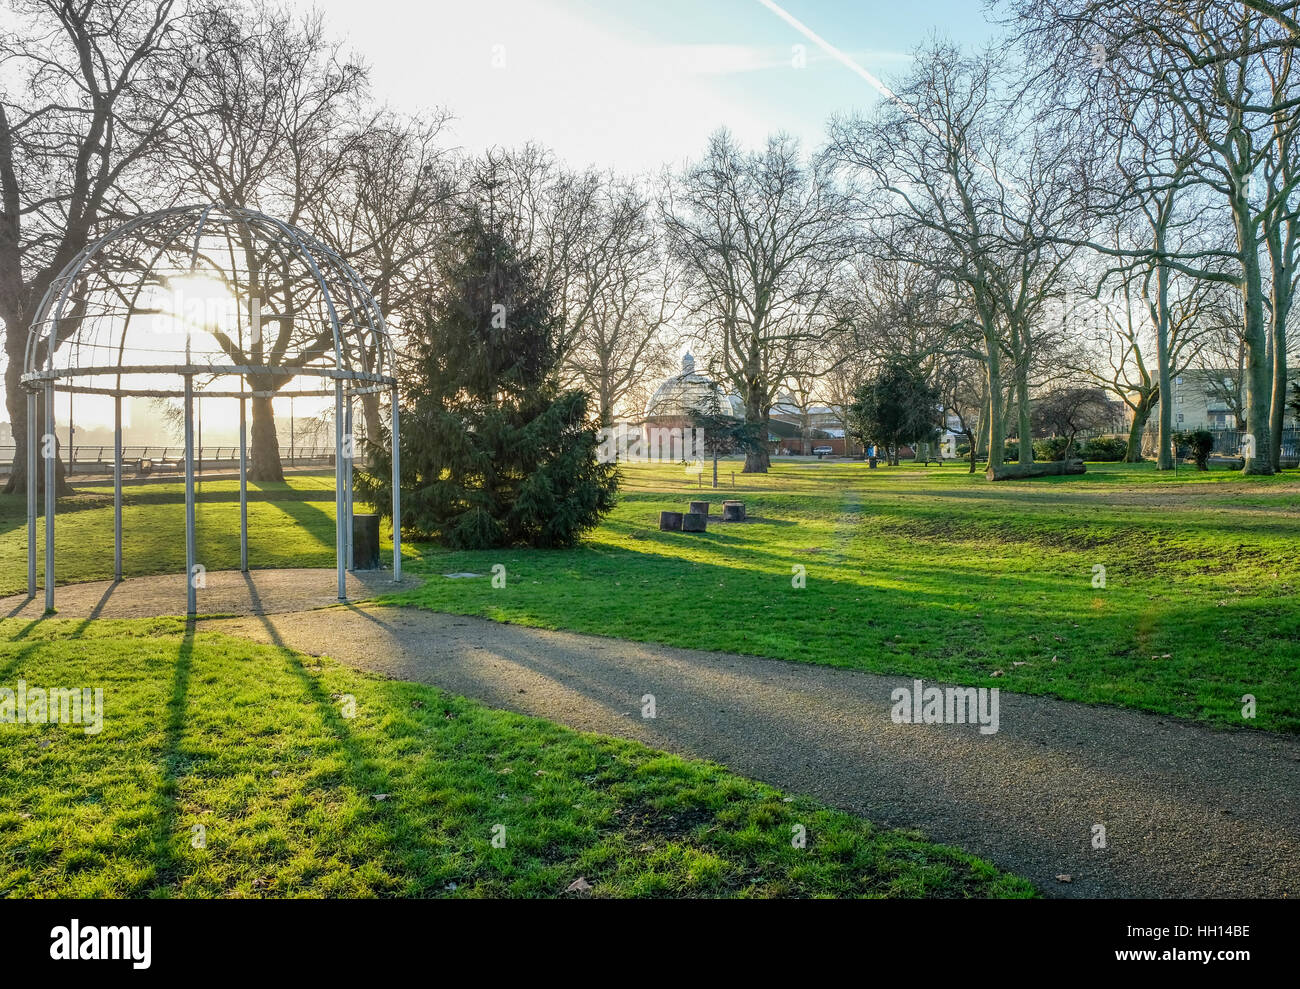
[1014, 472]
[670, 521]
[733, 511]
[699, 508]
[695, 522]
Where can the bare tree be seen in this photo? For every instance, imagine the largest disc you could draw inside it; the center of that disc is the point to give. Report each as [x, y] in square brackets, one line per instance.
[934, 194]
[1222, 358]
[628, 297]
[552, 214]
[762, 239]
[849, 360]
[962, 390]
[274, 130]
[388, 218]
[91, 89]
[1066, 411]
[1138, 326]
[1224, 72]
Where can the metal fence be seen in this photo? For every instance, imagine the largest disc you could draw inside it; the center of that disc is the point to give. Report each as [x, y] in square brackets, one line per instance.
[97, 459]
[1227, 442]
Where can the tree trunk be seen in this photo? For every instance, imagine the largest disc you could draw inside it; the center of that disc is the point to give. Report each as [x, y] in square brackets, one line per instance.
[1259, 392]
[757, 459]
[1164, 442]
[16, 403]
[1025, 439]
[373, 417]
[1277, 409]
[1141, 416]
[996, 430]
[1054, 468]
[979, 441]
[265, 445]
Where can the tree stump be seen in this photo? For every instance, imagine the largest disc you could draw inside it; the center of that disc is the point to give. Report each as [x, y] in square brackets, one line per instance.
[670, 521]
[733, 511]
[699, 508]
[695, 522]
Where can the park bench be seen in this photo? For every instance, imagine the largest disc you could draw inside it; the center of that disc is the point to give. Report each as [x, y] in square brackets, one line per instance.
[149, 465]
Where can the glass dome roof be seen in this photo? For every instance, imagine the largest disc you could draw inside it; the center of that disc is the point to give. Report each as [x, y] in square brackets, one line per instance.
[681, 393]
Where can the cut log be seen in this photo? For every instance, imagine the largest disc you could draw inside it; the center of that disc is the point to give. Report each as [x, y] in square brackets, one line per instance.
[695, 522]
[1015, 472]
[733, 511]
[699, 508]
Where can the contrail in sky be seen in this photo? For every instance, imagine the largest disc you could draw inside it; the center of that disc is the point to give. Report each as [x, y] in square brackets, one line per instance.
[849, 63]
[845, 60]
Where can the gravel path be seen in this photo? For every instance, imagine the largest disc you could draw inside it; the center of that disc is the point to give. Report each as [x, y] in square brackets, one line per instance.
[227, 592]
[1188, 812]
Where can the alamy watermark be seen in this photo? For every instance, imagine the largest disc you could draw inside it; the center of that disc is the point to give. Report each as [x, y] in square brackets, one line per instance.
[26, 705]
[657, 444]
[922, 705]
[102, 943]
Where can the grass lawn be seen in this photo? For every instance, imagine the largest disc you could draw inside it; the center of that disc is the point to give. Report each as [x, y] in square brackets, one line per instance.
[924, 571]
[290, 524]
[937, 573]
[252, 743]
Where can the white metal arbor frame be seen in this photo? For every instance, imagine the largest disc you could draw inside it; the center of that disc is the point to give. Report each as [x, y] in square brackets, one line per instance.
[185, 293]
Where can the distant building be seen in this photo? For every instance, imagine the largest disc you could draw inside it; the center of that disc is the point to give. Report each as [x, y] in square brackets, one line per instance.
[1213, 399]
[800, 431]
[672, 402]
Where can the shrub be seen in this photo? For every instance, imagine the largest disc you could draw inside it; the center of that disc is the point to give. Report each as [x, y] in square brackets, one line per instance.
[1052, 448]
[1105, 449]
[1011, 451]
[1196, 443]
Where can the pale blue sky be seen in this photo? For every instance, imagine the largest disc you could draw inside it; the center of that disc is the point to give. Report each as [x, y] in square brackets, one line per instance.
[631, 85]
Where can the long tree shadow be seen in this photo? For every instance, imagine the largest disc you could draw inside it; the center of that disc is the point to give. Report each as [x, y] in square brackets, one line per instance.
[15, 662]
[96, 611]
[361, 774]
[172, 762]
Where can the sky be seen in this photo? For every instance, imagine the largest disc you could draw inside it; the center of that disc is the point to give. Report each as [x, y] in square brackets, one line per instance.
[636, 84]
[629, 85]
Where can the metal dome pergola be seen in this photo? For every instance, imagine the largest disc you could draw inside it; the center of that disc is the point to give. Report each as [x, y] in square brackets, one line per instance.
[236, 305]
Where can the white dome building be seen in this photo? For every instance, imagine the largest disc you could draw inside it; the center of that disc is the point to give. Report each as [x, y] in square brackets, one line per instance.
[673, 400]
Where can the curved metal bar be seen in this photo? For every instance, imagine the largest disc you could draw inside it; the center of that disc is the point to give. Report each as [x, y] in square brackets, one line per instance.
[324, 264]
[217, 370]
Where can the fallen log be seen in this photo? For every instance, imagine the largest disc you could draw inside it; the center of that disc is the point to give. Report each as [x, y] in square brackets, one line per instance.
[1015, 472]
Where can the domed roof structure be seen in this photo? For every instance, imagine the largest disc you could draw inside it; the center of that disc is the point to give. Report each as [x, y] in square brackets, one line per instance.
[677, 396]
[207, 302]
[221, 294]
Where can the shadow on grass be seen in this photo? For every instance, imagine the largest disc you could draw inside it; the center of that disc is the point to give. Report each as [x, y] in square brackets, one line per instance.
[165, 800]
